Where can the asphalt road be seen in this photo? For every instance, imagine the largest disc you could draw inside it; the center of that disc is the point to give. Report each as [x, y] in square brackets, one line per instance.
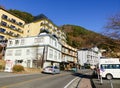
[114, 83]
[37, 80]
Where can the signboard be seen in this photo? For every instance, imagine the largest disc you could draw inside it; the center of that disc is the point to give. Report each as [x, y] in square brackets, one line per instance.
[8, 66]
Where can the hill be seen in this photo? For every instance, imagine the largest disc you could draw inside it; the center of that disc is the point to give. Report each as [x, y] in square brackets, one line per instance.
[80, 37]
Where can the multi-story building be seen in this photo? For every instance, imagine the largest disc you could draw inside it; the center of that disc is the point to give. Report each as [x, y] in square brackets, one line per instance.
[41, 51]
[69, 57]
[44, 24]
[69, 54]
[10, 25]
[89, 56]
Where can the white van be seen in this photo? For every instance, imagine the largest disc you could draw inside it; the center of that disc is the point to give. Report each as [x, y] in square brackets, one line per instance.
[109, 68]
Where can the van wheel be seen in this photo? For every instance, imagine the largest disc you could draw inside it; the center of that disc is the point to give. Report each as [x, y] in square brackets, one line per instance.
[109, 76]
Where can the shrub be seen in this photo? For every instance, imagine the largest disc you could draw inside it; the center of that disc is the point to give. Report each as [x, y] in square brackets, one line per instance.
[0, 67]
[18, 68]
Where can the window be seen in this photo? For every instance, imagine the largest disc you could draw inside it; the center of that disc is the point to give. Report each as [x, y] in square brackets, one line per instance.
[4, 16]
[1, 37]
[22, 41]
[110, 66]
[10, 43]
[16, 42]
[20, 23]
[18, 61]
[13, 27]
[38, 40]
[50, 53]
[56, 43]
[17, 52]
[55, 55]
[3, 23]
[9, 52]
[118, 66]
[2, 30]
[28, 31]
[13, 20]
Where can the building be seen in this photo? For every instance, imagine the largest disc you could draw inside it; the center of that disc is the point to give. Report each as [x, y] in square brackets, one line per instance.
[33, 52]
[69, 54]
[89, 56]
[69, 57]
[10, 25]
[12, 28]
[44, 24]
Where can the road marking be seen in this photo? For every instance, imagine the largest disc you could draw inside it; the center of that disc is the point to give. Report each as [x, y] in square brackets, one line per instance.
[70, 82]
[49, 76]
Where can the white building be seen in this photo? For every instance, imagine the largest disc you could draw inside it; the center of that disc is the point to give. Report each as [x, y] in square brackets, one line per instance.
[33, 52]
[89, 56]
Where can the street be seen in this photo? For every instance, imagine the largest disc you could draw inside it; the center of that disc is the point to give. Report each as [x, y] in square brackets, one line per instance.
[37, 80]
[106, 83]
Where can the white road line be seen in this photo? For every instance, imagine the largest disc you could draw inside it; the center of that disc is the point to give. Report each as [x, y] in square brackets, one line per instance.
[70, 82]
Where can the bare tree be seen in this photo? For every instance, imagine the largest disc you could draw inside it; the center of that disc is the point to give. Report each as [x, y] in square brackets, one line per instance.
[113, 27]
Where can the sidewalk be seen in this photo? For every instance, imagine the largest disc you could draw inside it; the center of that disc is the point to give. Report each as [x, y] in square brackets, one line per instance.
[85, 83]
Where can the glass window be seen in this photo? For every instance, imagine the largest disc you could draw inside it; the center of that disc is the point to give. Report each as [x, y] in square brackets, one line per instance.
[50, 53]
[4, 16]
[55, 55]
[10, 43]
[2, 30]
[38, 40]
[118, 66]
[9, 52]
[20, 23]
[22, 41]
[3, 23]
[13, 27]
[16, 42]
[17, 52]
[13, 20]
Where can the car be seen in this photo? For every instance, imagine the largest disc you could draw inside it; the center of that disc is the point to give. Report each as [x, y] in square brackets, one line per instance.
[51, 69]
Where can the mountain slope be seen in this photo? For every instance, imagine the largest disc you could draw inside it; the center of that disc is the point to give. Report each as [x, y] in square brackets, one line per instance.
[80, 37]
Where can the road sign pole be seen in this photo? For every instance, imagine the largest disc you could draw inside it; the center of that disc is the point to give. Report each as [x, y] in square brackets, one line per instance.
[111, 83]
[101, 81]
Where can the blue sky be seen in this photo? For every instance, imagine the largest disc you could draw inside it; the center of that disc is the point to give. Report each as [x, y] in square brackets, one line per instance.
[90, 14]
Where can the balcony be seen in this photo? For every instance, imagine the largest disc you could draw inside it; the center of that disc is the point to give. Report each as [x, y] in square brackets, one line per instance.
[12, 21]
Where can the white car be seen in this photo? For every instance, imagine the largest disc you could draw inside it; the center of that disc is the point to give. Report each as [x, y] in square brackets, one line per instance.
[51, 69]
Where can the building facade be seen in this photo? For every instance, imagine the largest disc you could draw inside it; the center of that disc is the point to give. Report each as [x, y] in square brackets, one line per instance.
[10, 25]
[44, 24]
[13, 28]
[89, 56]
[69, 57]
[33, 52]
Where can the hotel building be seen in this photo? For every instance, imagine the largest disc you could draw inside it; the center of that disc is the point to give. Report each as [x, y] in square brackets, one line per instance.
[10, 25]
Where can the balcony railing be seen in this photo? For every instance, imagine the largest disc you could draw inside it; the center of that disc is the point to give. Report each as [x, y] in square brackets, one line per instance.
[14, 22]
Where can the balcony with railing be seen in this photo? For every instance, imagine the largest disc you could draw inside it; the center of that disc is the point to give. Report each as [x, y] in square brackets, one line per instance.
[4, 17]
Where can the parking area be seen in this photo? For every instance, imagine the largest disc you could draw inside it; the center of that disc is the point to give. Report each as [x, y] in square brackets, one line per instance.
[114, 83]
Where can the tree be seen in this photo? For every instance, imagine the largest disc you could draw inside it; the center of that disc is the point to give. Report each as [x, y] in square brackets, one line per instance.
[27, 17]
[113, 27]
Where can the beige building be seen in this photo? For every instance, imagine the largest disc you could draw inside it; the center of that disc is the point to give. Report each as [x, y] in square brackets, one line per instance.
[10, 25]
[43, 24]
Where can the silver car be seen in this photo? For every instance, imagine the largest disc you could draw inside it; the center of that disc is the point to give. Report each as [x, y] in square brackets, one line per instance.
[51, 69]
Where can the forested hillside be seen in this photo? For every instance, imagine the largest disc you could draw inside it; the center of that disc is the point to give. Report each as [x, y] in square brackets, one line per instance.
[80, 37]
